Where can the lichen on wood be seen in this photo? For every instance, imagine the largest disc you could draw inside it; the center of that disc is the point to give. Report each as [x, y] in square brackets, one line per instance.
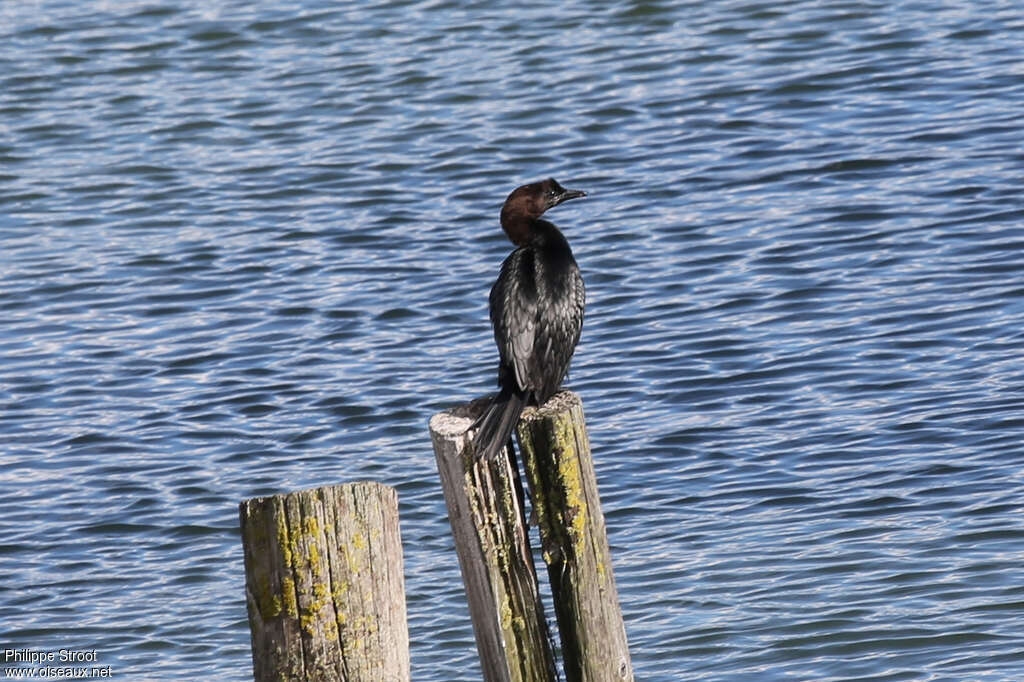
[325, 602]
[560, 472]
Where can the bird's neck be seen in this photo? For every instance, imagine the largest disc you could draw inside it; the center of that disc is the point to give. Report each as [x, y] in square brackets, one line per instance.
[525, 230]
[517, 226]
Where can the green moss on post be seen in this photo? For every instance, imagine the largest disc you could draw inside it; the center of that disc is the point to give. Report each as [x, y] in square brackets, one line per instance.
[324, 585]
[560, 471]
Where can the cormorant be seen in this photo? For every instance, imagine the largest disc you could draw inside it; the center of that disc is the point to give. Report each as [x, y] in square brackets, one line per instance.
[536, 308]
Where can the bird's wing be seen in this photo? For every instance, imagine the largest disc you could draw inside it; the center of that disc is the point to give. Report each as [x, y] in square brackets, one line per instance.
[558, 333]
[514, 314]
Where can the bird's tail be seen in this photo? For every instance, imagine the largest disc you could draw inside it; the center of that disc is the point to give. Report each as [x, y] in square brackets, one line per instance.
[495, 425]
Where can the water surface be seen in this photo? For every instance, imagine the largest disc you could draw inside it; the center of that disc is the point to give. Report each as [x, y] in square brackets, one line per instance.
[245, 249]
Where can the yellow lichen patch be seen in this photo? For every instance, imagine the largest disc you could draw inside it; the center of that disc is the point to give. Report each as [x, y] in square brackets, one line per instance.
[306, 622]
[311, 614]
[288, 592]
[506, 614]
[320, 592]
[314, 557]
[572, 481]
[353, 553]
[311, 536]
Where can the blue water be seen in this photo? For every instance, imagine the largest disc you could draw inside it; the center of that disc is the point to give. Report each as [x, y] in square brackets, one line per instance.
[245, 248]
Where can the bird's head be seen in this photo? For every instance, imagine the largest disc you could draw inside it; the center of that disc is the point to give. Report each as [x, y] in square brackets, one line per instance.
[530, 202]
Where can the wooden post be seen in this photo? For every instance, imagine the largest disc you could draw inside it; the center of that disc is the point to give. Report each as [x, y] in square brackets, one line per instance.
[324, 585]
[556, 454]
[491, 542]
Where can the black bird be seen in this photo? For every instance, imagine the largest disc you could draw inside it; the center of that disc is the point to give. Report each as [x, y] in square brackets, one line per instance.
[536, 309]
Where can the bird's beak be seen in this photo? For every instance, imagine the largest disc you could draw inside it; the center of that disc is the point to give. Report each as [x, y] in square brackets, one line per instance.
[567, 195]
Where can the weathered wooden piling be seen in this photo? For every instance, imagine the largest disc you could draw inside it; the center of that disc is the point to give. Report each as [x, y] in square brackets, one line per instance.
[556, 455]
[324, 585]
[492, 544]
